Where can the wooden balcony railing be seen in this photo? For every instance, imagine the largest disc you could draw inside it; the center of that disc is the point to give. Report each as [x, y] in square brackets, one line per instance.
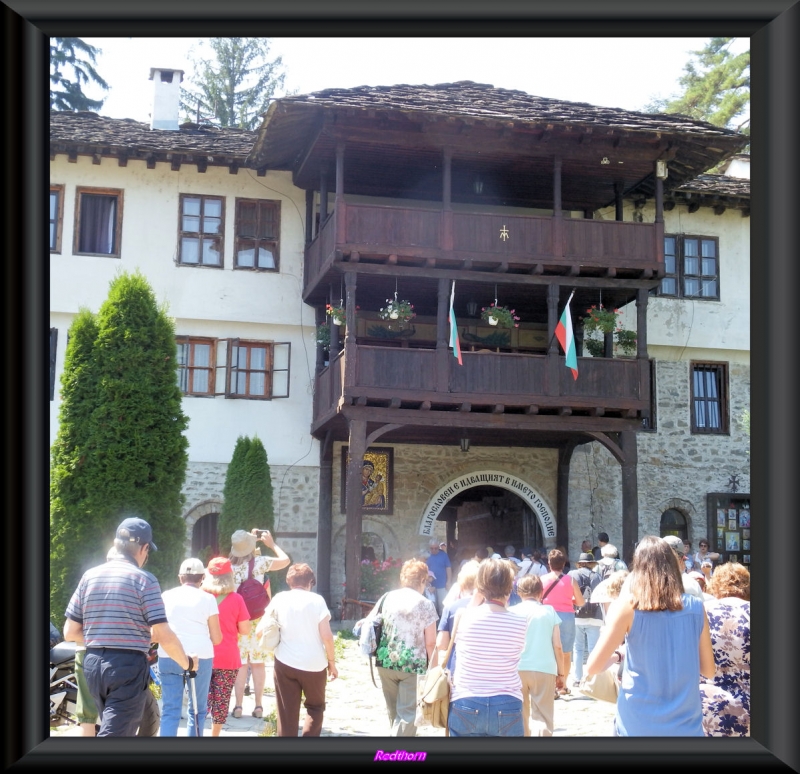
[381, 230]
[513, 380]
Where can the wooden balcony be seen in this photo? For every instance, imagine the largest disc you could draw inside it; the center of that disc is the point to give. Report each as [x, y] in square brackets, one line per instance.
[501, 390]
[487, 242]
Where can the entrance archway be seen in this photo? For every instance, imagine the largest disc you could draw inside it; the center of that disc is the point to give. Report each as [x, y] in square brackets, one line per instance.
[492, 502]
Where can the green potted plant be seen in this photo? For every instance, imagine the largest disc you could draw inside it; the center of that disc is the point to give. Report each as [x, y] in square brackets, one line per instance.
[501, 316]
[598, 322]
[336, 312]
[595, 347]
[626, 341]
[395, 309]
[324, 335]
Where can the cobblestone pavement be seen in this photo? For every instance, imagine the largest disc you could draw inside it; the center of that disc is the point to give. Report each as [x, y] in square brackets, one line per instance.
[355, 708]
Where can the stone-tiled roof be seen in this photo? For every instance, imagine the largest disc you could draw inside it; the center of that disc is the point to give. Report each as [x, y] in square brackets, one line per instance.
[484, 101]
[717, 184]
[115, 136]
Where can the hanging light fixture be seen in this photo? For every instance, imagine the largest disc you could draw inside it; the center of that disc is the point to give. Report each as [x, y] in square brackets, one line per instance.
[472, 308]
[465, 445]
[477, 185]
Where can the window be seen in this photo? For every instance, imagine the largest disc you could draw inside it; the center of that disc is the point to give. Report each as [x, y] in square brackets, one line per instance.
[709, 398]
[196, 361]
[201, 229]
[53, 347]
[56, 215]
[98, 221]
[258, 225]
[691, 264]
[258, 369]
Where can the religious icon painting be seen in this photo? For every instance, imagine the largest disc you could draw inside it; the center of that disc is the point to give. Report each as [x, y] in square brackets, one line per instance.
[746, 559]
[721, 514]
[733, 558]
[720, 537]
[733, 524]
[745, 545]
[377, 480]
[732, 541]
[746, 534]
[744, 518]
[731, 513]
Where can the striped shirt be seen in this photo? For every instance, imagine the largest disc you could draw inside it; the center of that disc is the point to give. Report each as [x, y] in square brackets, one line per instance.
[117, 603]
[489, 644]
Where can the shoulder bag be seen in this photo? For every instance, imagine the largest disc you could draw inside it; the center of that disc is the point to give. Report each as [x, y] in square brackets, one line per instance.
[268, 632]
[433, 702]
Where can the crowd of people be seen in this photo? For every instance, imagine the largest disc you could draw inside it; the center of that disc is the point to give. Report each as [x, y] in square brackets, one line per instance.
[521, 633]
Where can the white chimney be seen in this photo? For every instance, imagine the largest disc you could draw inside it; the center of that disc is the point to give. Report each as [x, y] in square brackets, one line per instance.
[166, 97]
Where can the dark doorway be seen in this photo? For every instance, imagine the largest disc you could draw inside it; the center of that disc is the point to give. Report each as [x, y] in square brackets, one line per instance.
[673, 522]
[205, 539]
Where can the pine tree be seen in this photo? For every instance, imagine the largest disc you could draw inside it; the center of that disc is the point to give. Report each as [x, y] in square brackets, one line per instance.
[120, 448]
[716, 87]
[236, 86]
[75, 58]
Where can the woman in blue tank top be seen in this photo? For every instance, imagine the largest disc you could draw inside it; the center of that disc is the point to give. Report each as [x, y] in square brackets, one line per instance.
[667, 647]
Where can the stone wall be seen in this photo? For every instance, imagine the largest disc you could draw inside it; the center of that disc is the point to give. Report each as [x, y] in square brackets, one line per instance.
[677, 468]
[419, 472]
[296, 500]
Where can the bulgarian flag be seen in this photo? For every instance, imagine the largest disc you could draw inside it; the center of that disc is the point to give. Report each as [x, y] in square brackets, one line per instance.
[566, 339]
[453, 327]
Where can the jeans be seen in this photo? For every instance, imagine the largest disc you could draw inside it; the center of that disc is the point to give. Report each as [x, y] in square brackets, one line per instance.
[567, 631]
[117, 680]
[486, 716]
[172, 688]
[585, 639]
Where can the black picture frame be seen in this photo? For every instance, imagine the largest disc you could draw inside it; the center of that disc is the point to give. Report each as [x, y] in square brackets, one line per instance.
[773, 27]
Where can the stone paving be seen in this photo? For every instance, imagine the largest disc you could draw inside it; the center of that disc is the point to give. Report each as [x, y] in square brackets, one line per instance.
[355, 708]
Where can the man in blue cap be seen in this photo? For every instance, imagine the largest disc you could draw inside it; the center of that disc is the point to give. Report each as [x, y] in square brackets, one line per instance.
[117, 611]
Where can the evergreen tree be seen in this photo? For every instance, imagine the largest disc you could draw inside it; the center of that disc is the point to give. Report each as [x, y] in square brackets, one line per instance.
[716, 87]
[75, 58]
[120, 448]
[236, 86]
[247, 492]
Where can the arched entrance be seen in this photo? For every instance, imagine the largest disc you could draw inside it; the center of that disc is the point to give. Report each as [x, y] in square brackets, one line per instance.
[205, 539]
[490, 508]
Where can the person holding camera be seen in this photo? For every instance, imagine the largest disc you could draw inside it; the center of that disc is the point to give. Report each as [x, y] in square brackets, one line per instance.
[245, 562]
[117, 611]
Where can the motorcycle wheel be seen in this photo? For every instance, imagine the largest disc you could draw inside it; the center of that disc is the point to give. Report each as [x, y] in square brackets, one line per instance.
[151, 717]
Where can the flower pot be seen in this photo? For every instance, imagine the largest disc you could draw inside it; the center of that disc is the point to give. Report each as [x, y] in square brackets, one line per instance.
[338, 321]
[393, 315]
[492, 320]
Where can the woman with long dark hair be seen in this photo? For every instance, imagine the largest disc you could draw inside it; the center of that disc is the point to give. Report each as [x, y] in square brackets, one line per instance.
[667, 646]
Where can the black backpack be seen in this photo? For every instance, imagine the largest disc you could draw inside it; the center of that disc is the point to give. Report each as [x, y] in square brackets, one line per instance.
[589, 609]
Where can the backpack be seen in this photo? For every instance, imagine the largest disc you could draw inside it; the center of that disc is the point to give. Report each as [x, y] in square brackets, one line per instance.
[254, 593]
[589, 609]
[604, 570]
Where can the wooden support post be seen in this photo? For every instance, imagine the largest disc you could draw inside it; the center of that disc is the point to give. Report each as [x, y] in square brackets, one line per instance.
[558, 215]
[323, 197]
[352, 549]
[618, 199]
[325, 520]
[442, 353]
[562, 493]
[641, 322]
[630, 495]
[350, 349]
[447, 208]
[309, 217]
[553, 380]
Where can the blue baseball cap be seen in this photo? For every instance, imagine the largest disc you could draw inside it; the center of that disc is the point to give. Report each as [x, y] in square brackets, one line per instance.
[136, 530]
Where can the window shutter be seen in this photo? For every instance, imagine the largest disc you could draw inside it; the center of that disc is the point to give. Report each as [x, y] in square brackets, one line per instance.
[281, 358]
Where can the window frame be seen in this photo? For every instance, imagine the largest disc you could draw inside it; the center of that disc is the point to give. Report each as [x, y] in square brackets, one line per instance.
[59, 216]
[117, 193]
[190, 368]
[232, 371]
[218, 235]
[721, 401]
[680, 276]
[273, 204]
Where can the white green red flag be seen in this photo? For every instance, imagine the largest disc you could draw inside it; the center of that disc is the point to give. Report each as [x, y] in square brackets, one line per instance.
[454, 328]
[567, 339]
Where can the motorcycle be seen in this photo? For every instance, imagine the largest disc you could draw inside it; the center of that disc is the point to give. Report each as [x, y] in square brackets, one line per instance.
[64, 690]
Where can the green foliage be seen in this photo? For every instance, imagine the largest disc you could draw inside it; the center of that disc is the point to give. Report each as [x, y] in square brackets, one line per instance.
[595, 347]
[247, 493]
[716, 87]
[120, 448]
[74, 58]
[324, 335]
[236, 85]
[626, 341]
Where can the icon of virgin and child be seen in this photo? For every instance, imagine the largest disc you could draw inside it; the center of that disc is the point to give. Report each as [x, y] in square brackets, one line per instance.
[373, 487]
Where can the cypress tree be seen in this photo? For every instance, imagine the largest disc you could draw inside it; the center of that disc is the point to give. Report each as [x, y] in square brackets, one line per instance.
[129, 454]
[248, 497]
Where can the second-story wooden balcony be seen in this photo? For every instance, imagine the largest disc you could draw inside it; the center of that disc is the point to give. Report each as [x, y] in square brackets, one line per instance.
[479, 244]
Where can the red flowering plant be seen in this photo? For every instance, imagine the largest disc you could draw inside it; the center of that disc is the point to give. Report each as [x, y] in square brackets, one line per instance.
[502, 316]
[379, 577]
[601, 320]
